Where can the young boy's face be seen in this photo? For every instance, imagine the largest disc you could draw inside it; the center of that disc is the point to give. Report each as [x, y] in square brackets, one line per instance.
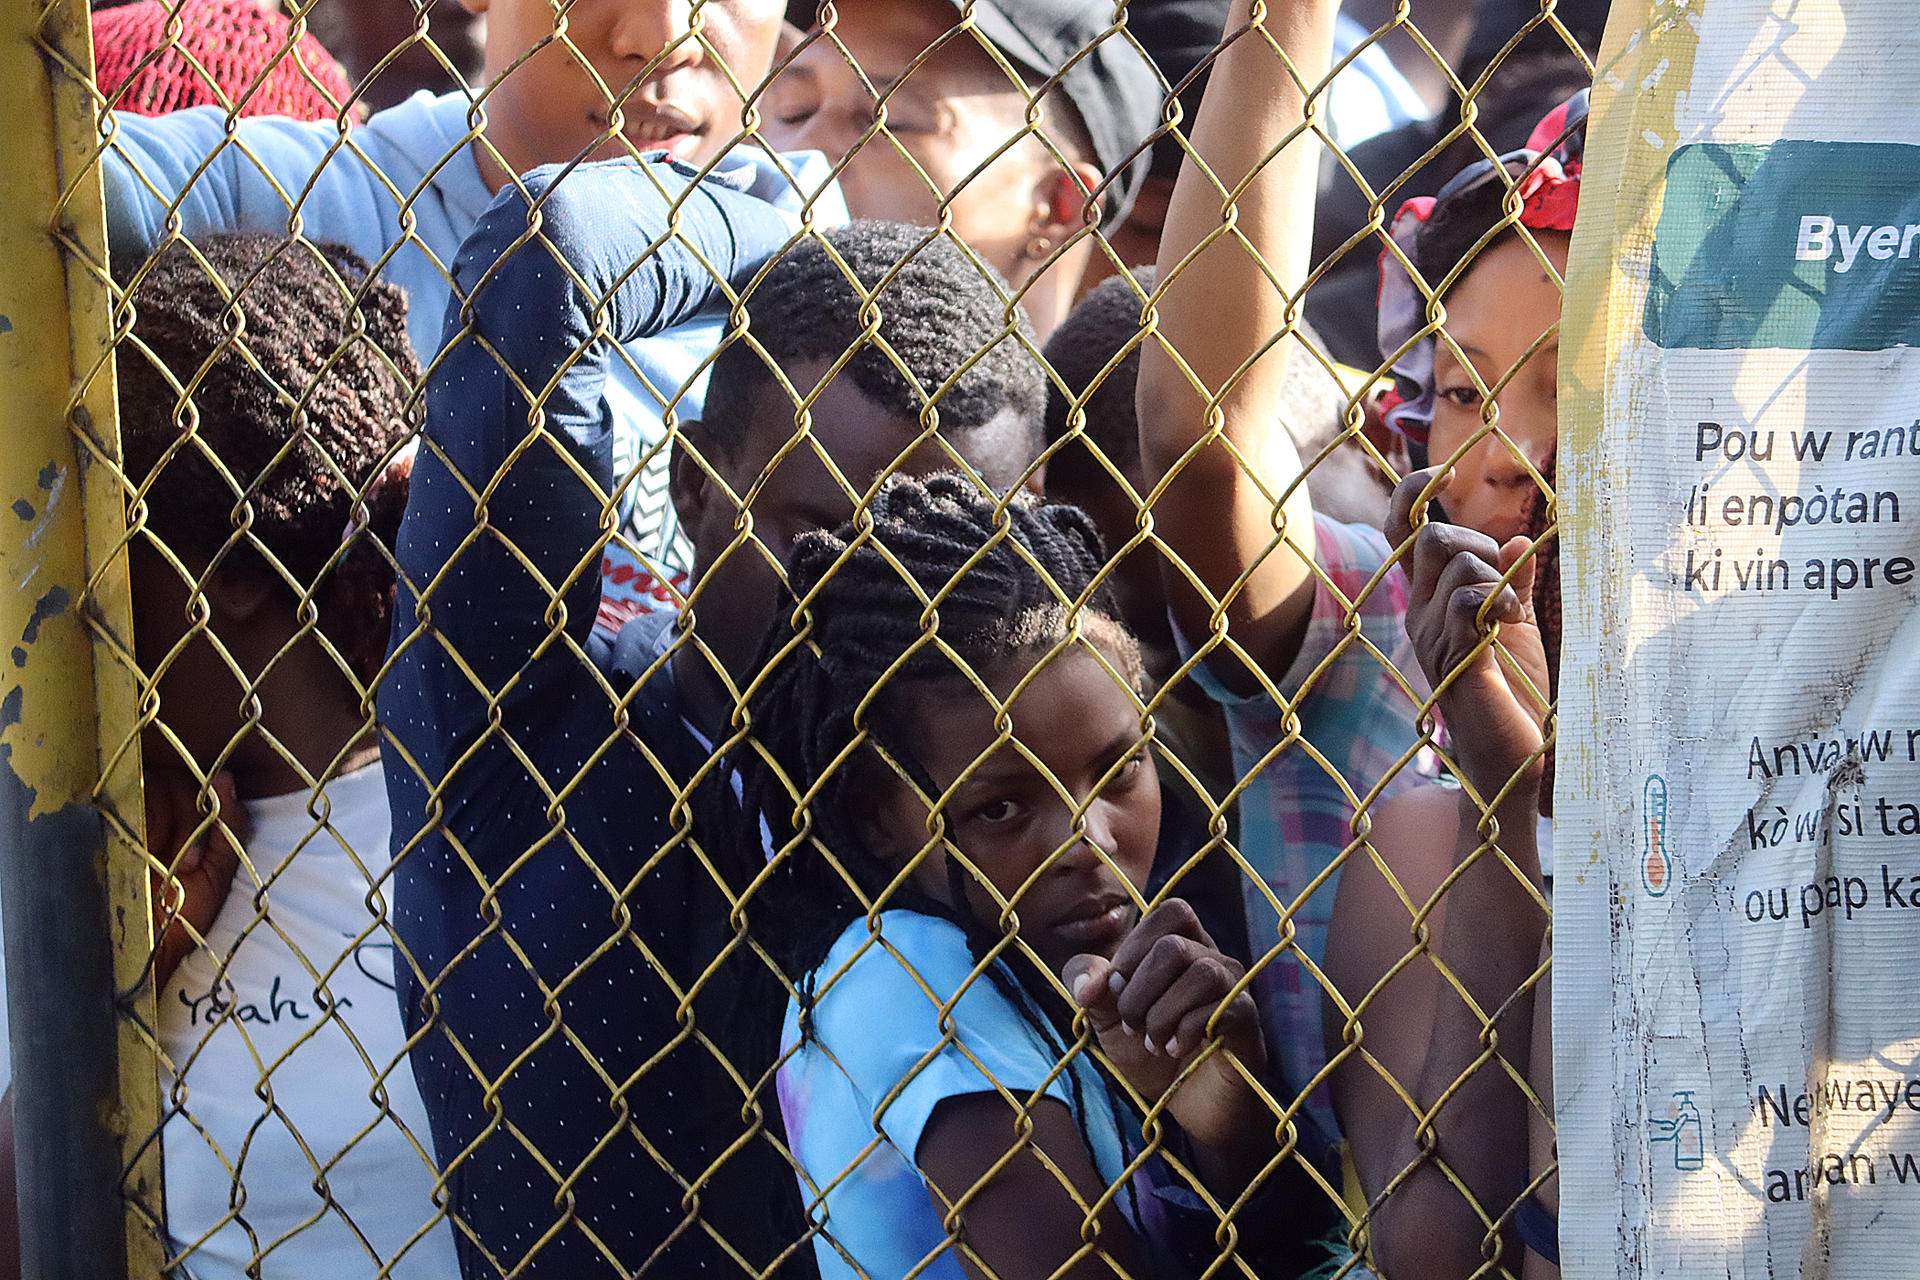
[675, 87]
[953, 114]
[737, 587]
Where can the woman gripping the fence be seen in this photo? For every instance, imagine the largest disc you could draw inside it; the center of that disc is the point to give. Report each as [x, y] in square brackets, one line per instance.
[1480, 405]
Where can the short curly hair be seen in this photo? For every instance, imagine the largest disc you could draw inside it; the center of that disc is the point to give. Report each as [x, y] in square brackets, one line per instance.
[1106, 323]
[303, 392]
[944, 316]
[1100, 327]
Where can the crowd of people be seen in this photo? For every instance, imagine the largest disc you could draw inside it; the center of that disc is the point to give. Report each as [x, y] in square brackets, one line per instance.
[776, 654]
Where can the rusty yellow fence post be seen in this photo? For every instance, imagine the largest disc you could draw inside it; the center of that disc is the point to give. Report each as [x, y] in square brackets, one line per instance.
[73, 885]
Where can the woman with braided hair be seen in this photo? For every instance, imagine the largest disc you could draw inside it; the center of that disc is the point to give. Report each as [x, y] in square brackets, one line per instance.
[957, 778]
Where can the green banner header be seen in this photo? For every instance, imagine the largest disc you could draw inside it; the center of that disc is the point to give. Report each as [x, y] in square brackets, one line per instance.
[1798, 245]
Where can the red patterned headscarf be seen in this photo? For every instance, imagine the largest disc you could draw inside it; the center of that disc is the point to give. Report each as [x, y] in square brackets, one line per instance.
[1544, 176]
[142, 69]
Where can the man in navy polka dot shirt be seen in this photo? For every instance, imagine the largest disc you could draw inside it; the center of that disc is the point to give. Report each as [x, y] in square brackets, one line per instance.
[594, 1033]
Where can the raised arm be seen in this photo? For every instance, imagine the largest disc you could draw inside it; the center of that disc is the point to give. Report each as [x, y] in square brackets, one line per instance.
[509, 502]
[1224, 297]
[197, 173]
[187, 167]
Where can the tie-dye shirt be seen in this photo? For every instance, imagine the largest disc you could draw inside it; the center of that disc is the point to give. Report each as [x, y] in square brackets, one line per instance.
[903, 1020]
[1346, 727]
[906, 1018]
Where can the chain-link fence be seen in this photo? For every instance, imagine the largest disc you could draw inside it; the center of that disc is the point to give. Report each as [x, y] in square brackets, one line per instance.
[737, 820]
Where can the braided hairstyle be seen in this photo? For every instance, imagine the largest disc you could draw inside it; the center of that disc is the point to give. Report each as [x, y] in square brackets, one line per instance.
[940, 316]
[282, 460]
[1011, 574]
[1017, 576]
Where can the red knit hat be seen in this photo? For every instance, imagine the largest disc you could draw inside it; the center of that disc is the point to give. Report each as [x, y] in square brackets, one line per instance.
[236, 41]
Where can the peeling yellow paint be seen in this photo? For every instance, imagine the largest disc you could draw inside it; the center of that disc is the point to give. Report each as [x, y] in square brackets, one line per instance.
[46, 674]
[68, 698]
[1640, 81]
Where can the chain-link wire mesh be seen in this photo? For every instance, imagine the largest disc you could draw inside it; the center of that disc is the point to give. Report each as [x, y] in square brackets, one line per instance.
[540, 886]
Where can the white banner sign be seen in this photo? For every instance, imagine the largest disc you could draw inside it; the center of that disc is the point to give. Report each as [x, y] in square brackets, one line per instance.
[1737, 1017]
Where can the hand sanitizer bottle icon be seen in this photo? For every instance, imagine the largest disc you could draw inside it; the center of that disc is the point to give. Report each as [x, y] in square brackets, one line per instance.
[1684, 1129]
[1689, 1136]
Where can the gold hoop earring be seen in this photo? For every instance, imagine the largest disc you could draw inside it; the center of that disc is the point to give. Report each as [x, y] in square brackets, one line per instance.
[1038, 248]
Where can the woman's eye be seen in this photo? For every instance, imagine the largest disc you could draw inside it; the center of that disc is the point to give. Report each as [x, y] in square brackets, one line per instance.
[998, 811]
[1467, 396]
[794, 98]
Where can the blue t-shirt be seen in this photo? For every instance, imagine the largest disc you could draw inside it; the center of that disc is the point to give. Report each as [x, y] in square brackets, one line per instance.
[949, 1030]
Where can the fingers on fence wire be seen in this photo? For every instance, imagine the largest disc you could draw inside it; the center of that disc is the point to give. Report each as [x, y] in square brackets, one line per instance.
[1475, 630]
[1456, 1025]
[197, 834]
[1176, 1018]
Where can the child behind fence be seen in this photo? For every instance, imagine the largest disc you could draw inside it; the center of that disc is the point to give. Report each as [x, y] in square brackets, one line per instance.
[1481, 517]
[981, 813]
[1297, 621]
[1096, 358]
[136, 69]
[295, 1140]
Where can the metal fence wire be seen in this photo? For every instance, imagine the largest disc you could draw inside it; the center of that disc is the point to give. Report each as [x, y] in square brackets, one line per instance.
[679, 845]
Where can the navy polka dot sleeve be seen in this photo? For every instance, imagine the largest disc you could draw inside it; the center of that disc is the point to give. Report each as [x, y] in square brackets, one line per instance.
[555, 911]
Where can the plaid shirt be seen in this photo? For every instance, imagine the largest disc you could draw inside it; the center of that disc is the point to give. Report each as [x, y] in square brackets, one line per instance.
[1351, 728]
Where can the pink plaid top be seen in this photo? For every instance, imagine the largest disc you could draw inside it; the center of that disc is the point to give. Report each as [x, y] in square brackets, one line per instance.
[1340, 734]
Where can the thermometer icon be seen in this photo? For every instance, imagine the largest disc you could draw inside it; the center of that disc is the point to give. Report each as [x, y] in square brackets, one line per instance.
[1655, 873]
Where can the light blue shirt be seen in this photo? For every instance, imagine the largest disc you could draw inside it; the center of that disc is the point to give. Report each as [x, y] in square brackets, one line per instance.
[403, 191]
[902, 1022]
[1369, 96]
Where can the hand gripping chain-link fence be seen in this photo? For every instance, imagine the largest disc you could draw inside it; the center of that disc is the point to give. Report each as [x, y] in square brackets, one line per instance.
[576, 878]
